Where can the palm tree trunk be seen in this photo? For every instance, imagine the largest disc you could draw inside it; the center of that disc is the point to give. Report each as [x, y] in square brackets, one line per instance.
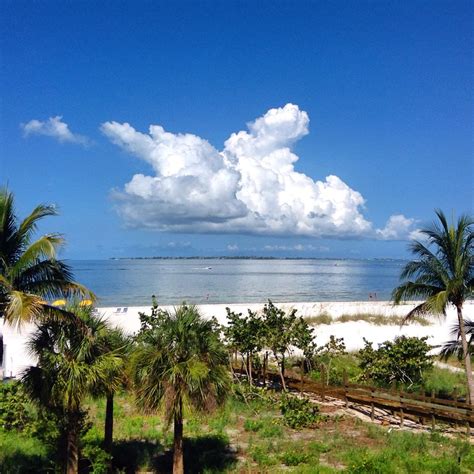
[466, 357]
[178, 455]
[72, 449]
[109, 423]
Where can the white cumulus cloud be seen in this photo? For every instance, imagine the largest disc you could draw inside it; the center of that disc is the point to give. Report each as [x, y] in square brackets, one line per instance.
[53, 127]
[398, 227]
[250, 186]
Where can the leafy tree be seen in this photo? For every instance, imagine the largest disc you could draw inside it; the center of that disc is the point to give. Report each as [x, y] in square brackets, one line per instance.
[443, 274]
[149, 322]
[29, 269]
[325, 355]
[403, 360]
[180, 364]
[284, 331]
[72, 364]
[245, 335]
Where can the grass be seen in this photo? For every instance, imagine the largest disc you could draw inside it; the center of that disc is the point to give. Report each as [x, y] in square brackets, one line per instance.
[243, 437]
[444, 383]
[21, 453]
[376, 319]
[251, 437]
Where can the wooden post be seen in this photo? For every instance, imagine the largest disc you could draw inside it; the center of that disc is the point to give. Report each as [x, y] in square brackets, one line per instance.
[323, 383]
[346, 387]
[372, 407]
[422, 418]
[433, 418]
[402, 414]
[468, 425]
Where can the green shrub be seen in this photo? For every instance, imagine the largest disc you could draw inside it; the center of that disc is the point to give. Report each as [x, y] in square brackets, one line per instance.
[262, 457]
[253, 425]
[99, 460]
[403, 360]
[298, 412]
[16, 411]
[294, 458]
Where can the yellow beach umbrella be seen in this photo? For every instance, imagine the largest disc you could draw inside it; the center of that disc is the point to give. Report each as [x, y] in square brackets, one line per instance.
[85, 303]
[59, 303]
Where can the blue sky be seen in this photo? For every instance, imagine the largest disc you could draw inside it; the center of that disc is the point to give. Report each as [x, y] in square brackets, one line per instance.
[379, 96]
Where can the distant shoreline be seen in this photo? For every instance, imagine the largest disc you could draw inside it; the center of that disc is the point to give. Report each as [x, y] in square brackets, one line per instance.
[254, 257]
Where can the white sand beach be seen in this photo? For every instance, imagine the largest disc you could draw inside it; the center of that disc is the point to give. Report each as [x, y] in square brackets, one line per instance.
[16, 356]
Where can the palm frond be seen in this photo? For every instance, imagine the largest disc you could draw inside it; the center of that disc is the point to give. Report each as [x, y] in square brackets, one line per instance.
[43, 248]
[30, 223]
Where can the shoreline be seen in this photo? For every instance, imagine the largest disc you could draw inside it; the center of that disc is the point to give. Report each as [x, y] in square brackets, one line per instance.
[16, 356]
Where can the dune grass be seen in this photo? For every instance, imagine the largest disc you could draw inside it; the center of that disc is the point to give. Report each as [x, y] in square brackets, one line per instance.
[376, 319]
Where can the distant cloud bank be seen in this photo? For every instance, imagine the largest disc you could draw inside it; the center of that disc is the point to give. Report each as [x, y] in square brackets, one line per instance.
[55, 128]
[250, 186]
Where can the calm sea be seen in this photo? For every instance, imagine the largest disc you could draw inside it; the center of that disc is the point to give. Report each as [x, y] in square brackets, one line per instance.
[132, 282]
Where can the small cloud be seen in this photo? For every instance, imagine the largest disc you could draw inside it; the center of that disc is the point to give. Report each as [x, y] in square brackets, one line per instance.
[417, 235]
[232, 247]
[55, 128]
[178, 245]
[398, 227]
[296, 247]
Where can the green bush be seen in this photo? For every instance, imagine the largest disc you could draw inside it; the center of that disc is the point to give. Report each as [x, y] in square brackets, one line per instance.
[294, 458]
[253, 425]
[403, 360]
[298, 412]
[99, 460]
[16, 411]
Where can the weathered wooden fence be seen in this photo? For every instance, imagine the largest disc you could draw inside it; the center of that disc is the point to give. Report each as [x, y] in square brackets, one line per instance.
[424, 409]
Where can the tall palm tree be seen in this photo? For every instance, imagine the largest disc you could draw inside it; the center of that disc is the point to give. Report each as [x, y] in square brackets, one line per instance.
[71, 365]
[113, 340]
[29, 269]
[181, 364]
[443, 274]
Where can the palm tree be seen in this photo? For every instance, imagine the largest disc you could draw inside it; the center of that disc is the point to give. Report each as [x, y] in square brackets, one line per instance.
[114, 340]
[71, 365]
[443, 274]
[181, 364]
[29, 269]
[453, 347]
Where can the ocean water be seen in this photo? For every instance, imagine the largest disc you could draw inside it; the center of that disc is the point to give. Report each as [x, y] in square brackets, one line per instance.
[199, 281]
